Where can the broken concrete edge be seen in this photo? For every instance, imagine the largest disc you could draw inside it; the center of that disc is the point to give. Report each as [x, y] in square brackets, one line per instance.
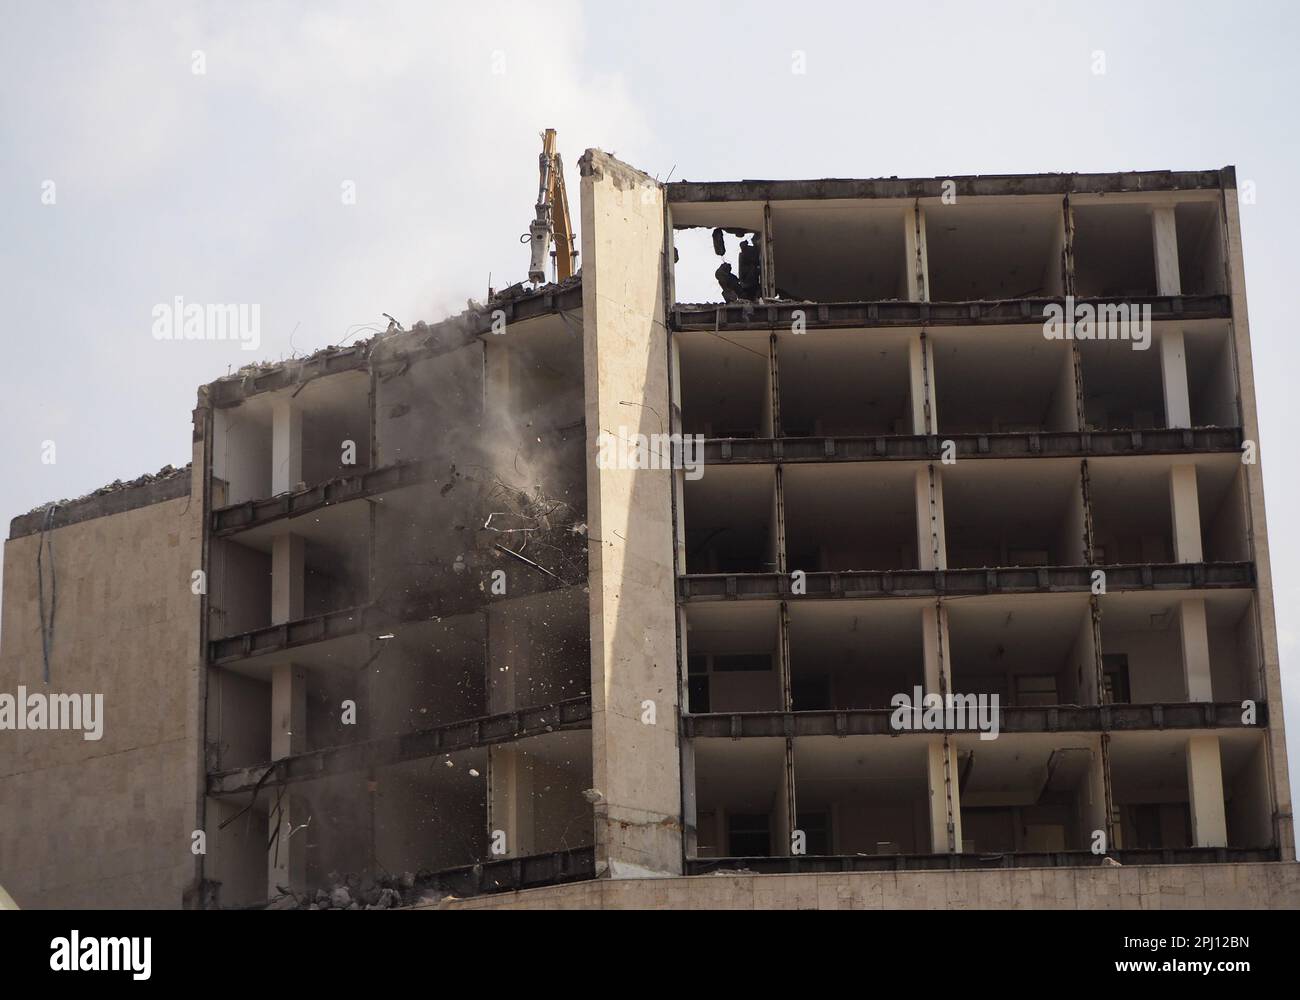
[568, 714]
[431, 889]
[515, 304]
[971, 185]
[247, 514]
[346, 623]
[168, 483]
[597, 163]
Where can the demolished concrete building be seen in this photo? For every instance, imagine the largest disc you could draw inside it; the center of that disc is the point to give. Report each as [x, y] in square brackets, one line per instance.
[398, 633]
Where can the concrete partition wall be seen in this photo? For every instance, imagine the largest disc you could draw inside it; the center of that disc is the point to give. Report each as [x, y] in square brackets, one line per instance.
[636, 762]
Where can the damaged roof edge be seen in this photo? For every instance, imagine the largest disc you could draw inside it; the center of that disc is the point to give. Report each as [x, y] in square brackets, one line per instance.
[167, 484]
[968, 185]
[511, 305]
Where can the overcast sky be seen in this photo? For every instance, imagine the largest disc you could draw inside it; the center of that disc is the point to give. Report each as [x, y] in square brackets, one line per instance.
[226, 186]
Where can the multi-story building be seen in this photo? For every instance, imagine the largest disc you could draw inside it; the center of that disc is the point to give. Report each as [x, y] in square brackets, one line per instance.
[434, 605]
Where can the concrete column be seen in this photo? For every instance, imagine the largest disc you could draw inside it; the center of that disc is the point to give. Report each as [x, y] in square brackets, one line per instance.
[786, 820]
[917, 393]
[1185, 505]
[1094, 798]
[690, 806]
[931, 545]
[1164, 237]
[510, 801]
[769, 253]
[287, 858]
[679, 475]
[934, 642]
[1173, 376]
[288, 573]
[636, 767]
[286, 447]
[1086, 658]
[917, 264]
[1194, 637]
[496, 372]
[508, 665]
[1205, 792]
[945, 804]
[1055, 274]
[771, 418]
[1064, 414]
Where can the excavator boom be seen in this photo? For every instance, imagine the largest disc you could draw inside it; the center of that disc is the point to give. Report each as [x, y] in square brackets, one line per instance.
[553, 223]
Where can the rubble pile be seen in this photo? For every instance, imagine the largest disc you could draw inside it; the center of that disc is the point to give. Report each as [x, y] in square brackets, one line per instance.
[117, 485]
[364, 892]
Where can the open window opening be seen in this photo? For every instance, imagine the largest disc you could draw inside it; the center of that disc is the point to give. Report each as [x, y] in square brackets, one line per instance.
[1122, 388]
[539, 650]
[1211, 376]
[434, 673]
[1011, 513]
[1201, 269]
[322, 559]
[1147, 638]
[418, 398]
[1030, 794]
[996, 380]
[844, 383]
[871, 791]
[717, 252]
[537, 805]
[725, 381]
[1132, 515]
[994, 251]
[854, 654]
[535, 371]
[323, 427]
[840, 251]
[1029, 650]
[1225, 523]
[351, 828]
[1114, 251]
[850, 516]
[1154, 809]
[730, 521]
[740, 809]
[733, 658]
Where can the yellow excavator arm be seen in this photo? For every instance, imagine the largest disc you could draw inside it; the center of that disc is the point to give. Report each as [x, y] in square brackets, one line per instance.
[553, 224]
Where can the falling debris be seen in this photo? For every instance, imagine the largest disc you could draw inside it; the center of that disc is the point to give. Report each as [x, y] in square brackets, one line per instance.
[543, 532]
[732, 289]
[750, 271]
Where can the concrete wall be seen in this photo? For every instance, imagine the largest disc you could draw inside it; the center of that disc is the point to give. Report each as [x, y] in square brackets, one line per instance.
[1259, 527]
[1144, 887]
[105, 823]
[633, 625]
